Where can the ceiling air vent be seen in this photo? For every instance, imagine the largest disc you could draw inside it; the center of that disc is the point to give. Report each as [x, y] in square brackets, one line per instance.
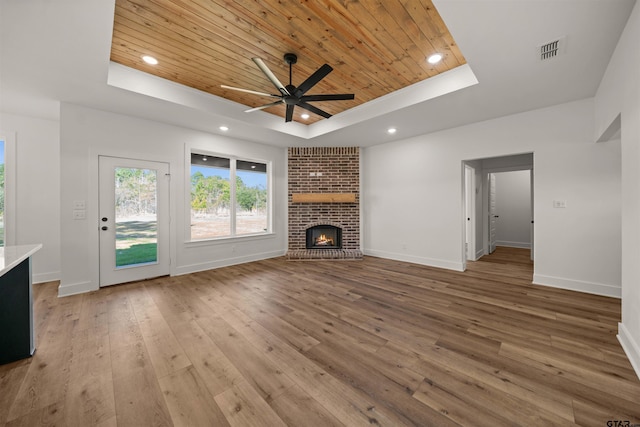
[551, 49]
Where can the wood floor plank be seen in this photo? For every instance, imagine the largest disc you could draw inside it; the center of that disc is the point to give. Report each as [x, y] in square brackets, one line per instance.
[138, 397]
[351, 406]
[373, 342]
[244, 407]
[12, 376]
[47, 377]
[297, 408]
[90, 399]
[579, 370]
[217, 371]
[498, 377]
[164, 350]
[258, 370]
[189, 401]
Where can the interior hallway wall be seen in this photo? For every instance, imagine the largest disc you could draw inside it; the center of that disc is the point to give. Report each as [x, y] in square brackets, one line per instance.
[619, 96]
[414, 210]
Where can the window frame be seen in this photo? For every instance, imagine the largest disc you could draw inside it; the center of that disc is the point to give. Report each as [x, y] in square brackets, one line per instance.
[10, 207]
[233, 159]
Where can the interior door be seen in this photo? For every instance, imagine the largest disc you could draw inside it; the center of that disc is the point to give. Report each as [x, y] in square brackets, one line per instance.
[470, 208]
[493, 215]
[134, 220]
[532, 223]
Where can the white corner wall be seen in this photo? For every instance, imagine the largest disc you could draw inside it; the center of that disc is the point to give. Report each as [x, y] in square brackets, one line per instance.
[413, 204]
[619, 94]
[37, 210]
[87, 133]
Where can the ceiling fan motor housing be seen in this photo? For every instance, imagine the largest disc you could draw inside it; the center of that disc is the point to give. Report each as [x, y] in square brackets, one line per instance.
[290, 58]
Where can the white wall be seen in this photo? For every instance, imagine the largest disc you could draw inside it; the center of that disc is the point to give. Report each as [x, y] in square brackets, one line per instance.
[619, 94]
[513, 205]
[87, 133]
[37, 210]
[413, 211]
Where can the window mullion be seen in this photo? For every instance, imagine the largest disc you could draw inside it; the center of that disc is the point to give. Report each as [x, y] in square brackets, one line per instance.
[232, 196]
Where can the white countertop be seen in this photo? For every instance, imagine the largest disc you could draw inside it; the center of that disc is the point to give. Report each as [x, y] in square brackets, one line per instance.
[11, 256]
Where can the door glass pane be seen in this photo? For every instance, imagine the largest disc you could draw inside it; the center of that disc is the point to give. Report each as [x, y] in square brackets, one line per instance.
[210, 197]
[136, 216]
[251, 197]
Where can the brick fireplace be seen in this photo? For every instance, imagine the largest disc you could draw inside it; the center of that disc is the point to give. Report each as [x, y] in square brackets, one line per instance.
[324, 192]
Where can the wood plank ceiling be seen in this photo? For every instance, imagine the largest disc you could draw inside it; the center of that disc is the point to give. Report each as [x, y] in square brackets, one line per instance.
[375, 47]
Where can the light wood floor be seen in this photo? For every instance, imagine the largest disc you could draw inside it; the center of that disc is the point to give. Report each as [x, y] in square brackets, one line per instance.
[372, 342]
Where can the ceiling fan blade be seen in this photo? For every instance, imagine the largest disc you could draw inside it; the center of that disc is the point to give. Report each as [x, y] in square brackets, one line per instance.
[262, 107]
[289, 116]
[313, 79]
[249, 91]
[313, 109]
[328, 97]
[267, 72]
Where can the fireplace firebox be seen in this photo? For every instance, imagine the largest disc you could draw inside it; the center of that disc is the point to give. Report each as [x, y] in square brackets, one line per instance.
[324, 237]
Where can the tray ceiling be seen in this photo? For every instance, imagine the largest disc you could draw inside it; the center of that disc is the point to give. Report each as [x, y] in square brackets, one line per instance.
[374, 47]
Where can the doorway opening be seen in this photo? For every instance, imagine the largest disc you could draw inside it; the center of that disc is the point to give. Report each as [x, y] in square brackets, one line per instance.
[498, 205]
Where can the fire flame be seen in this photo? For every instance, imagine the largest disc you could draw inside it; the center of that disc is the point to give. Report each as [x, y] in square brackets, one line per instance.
[323, 240]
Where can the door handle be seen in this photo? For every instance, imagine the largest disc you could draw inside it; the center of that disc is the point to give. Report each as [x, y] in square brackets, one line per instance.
[105, 228]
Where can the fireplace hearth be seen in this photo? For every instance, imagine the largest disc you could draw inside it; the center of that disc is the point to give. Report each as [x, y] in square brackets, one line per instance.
[324, 237]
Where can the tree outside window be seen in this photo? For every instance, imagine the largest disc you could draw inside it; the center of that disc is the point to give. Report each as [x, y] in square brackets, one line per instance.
[229, 197]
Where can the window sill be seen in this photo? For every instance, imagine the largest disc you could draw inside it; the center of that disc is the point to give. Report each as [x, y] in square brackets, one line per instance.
[228, 239]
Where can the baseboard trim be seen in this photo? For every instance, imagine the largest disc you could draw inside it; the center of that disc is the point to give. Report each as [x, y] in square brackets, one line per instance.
[46, 277]
[578, 285]
[522, 245]
[630, 347]
[65, 290]
[439, 263]
[227, 262]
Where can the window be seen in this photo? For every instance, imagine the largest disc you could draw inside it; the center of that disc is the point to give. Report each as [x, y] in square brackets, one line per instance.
[229, 197]
[7, 188]
[2, 222]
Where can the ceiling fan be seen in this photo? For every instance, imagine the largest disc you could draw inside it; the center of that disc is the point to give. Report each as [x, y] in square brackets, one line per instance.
[291, 95]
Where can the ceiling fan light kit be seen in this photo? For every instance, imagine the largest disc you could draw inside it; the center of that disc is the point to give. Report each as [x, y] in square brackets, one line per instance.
[291, 95]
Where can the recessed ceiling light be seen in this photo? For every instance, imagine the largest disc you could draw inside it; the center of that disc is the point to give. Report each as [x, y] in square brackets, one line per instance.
[304, 116]
[150, 60]
[391, 130]
[224, 128]
[204, 158]
[435, 58]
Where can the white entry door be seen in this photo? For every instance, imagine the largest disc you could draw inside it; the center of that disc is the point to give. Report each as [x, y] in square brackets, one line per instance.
[493, 215]
[134, 220]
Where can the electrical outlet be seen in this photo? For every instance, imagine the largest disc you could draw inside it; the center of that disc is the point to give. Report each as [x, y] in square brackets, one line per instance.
[559, 204]
[79, 214]
[78, 204]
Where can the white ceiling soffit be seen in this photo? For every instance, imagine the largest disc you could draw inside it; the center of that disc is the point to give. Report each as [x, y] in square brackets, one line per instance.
[139, 82]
